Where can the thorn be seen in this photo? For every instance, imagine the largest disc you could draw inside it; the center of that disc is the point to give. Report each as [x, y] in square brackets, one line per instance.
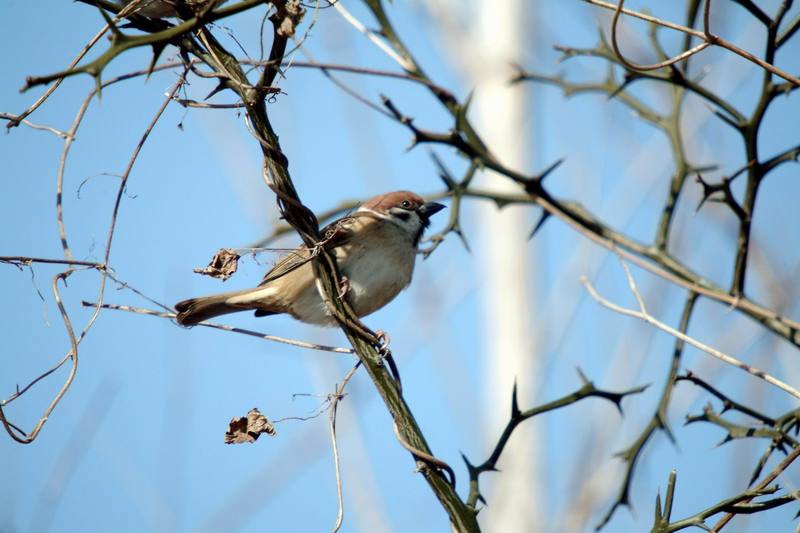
[470, 466]
[515, 412]
[629, 78]
[444, 173]
[582, 376]
[519, 73]
[542, 218]
[98, 83]
[500, 203]
[755, 475]
[541, 177]
[658, 505]
[618, 402]
[473, 168]
[726, 406]
[158, 48]
[726, 440]
[463, 238]
[461, 116]
[115, 32]
[665, 427]
[220, 86]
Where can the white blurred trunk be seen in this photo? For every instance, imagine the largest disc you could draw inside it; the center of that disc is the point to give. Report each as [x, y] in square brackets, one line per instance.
[507, 273]
[485, 51]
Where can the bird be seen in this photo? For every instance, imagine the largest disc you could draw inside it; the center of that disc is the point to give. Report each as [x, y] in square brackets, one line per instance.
[375, 247]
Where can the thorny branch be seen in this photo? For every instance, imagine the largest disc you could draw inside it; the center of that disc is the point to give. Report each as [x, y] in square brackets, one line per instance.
[466, 141]
[776, 429]
[739, 504]
[587, 390]
[769, 478]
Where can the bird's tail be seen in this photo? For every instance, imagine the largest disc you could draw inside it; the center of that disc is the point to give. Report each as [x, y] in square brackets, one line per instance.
[196, 310]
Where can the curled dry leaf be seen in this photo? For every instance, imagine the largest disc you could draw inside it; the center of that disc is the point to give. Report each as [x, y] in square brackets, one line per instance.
[222, 266]
[248, 428]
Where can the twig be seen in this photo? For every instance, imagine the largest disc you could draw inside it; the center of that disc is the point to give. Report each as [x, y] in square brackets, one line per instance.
[518, 416]
[783, 465]
[738, 504]
[15, 119]
[24, 260]
[576, 216]
[659, 420]
[741, 431]
[120, 192]
[214, 325]
[425, 457]
[707, 37]
[655, 66]
[643, 315]
[11, 429]
[727, 402]
[160, 38]
[337, 396]
[373, 37]
[185, 102]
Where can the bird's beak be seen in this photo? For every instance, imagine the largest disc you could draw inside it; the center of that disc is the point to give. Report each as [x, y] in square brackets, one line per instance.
[427, 210]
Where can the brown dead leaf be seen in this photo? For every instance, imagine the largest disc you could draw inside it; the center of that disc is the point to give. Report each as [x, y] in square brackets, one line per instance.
[248, 428]
[222, 266]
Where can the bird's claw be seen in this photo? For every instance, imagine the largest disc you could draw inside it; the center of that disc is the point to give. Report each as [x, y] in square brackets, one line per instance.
[383, 343]
[344, 286]
[385, 355]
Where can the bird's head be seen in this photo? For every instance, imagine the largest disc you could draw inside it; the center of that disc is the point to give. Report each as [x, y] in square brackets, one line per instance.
[405, 209]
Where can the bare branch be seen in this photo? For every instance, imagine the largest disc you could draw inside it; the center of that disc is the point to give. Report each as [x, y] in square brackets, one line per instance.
[224, 327]
[707, 37]
[336, 398]
[643, 315]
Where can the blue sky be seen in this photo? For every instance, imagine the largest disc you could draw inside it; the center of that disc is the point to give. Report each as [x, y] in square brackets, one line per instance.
[137, 443]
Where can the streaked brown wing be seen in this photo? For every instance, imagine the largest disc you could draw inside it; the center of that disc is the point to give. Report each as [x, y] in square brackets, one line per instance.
[334, 234]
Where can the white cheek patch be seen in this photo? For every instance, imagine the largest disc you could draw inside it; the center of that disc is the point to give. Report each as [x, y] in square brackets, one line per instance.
[407, 220]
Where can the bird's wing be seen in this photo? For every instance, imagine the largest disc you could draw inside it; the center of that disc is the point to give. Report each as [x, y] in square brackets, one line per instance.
[335, 234]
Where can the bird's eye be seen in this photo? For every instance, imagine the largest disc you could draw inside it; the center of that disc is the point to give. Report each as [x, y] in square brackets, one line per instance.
[405, 204]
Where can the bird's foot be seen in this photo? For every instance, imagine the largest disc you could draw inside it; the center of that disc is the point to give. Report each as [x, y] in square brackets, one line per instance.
[386, 356]
[383, 342]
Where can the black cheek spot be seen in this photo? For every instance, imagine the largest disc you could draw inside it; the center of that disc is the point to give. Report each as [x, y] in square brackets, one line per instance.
[404, 216]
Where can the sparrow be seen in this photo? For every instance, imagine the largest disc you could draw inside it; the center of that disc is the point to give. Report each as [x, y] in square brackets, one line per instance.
[375, 248]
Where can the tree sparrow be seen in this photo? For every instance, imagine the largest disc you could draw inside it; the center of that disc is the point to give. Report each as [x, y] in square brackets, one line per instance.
[375, 247]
